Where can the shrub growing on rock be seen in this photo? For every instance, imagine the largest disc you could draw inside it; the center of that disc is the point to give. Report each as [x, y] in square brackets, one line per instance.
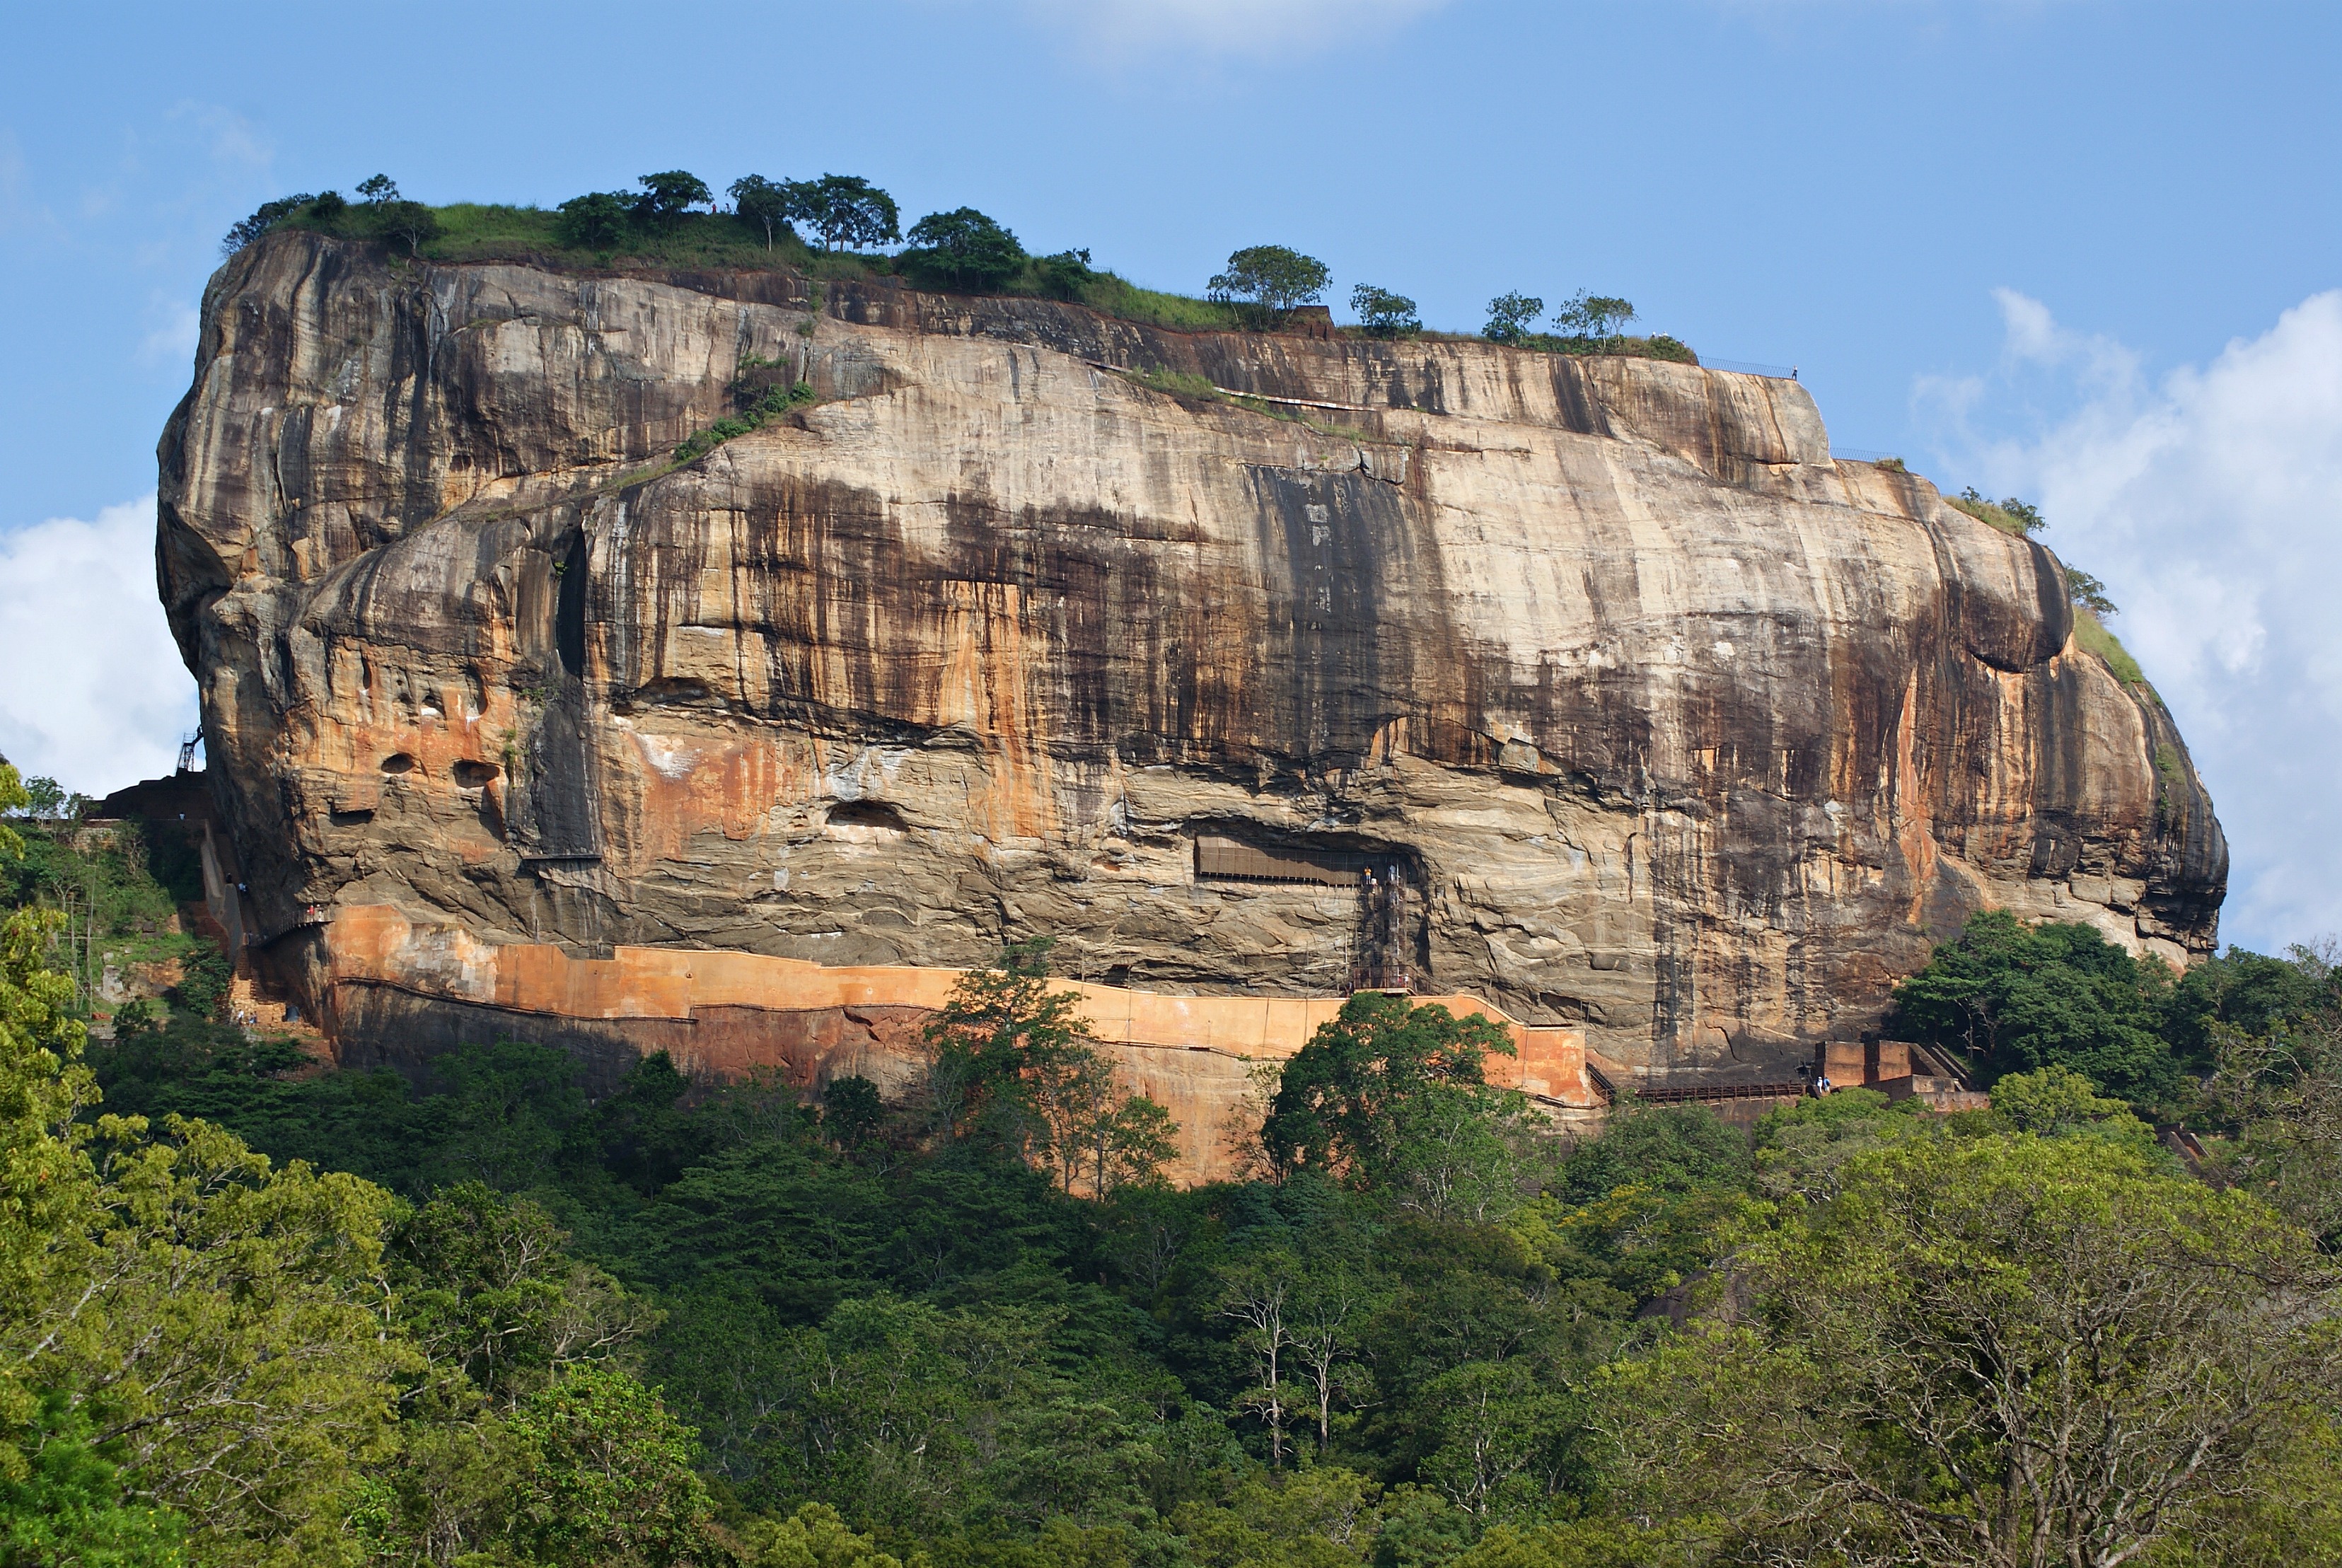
[963, 249]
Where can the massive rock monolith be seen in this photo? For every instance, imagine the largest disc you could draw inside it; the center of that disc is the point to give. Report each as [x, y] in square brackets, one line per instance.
[1647, 716]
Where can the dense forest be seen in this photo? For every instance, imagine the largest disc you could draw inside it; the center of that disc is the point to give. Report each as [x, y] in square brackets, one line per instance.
[254, 1311]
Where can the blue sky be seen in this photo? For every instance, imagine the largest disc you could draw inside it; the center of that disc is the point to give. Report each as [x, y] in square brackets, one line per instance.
[2016, 242]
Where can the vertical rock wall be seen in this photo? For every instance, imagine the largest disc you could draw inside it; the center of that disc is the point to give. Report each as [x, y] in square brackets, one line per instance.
[1667, 725]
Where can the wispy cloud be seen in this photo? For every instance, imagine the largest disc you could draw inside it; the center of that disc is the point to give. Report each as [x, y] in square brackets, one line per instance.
[92, 691]
[172, 341]
[2211, 504]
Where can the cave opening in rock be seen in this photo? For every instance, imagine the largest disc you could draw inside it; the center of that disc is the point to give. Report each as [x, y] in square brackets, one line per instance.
[864, 822]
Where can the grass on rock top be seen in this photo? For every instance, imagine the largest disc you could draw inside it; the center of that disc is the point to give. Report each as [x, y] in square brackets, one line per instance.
[486, 232]
[2092, 634]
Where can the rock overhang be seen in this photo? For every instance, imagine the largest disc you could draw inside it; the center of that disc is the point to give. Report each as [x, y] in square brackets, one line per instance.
[1682, 733]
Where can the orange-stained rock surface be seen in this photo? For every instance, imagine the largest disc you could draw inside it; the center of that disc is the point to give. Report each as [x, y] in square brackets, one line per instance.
[721, 1014]
[1671, 731]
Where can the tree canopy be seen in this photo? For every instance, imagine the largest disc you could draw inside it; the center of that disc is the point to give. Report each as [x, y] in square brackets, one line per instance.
[2007, 997]
[963, 249]
[845, 210]
[1510, 316]
[1273, 278]
[668, 196]
[256, 1311]
[2011, 1349]
[1384, 313]
[1595, 316]
[762, 201]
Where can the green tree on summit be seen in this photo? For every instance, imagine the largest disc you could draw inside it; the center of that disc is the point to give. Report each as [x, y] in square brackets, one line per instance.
[1510, 316]
[845, 210]
[762, 201]
[1384, 313]
[668, 196]
[594, 221]
[966, 248]
[1593, 317]
[1273, 279]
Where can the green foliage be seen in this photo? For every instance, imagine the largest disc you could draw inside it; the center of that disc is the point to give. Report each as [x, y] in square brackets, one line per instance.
[1803, 1150]
[1384, 313]
[1272, 279]
[968, 1328]
[1923, 1353]
[2006, 997]
[2011, 516]
[489, 1294]
[2091, 635]
[845, 210]
[177, 1309]
[2244, 995]
[1389, 1095]
[607, 1475]
[376, 190]
[965, 249]
[1644, 1208]
[45, 799]
[814, 1536]
[67, 1503]
[598, 220]
[1675, 1149]
[265, 216]
[2056, 1101]
[2089, 593]
[1180, 383]
[2277, 1091]
[411, 223]
[1596, 1542]
[13, 798]
[1597, 318]
[205, 974]
[762, 201]
[1510, 316]
[1067, 275]
[1115, 296]
[668, 196]
[754, 415]
[120, 884]
[1015, 1067]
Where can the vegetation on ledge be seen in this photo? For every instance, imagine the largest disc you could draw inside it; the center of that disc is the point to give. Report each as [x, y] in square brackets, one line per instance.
[842, 228]
[2091, 635]
[2092, 605]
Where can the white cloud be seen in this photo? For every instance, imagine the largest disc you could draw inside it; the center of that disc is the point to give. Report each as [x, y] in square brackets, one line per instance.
[2212, 506]
[92, 691]
[174, 342]
[1123, 27]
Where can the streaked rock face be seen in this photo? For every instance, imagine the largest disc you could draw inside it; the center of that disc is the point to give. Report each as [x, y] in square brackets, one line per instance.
[1669, 726]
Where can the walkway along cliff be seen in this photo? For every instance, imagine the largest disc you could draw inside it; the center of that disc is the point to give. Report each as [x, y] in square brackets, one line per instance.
[1590, 688]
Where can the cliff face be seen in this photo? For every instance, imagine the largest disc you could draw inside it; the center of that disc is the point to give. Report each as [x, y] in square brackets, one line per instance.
[1664, 724]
